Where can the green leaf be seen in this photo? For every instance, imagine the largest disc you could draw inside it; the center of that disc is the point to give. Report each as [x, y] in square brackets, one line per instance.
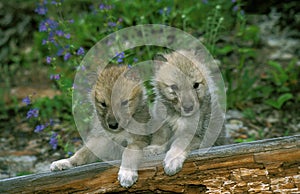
[283, 98]
[275, 65]
[280, 101]
[225, 50]
[280, 76]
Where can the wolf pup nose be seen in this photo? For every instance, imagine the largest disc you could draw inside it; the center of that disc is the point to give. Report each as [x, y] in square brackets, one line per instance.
[113, 124]
[188, 107]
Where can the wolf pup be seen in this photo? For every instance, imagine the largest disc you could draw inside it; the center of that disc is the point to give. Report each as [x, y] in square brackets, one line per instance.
[182, 86]
[108, 139]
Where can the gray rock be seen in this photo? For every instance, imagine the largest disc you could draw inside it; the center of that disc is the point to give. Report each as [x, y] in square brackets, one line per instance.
[14, 165]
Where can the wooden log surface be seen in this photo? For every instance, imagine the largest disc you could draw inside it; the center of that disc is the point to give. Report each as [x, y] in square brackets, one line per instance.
[266, 166]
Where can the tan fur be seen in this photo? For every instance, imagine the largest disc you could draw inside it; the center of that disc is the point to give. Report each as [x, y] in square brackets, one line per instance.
[184, 85]
[117, 96]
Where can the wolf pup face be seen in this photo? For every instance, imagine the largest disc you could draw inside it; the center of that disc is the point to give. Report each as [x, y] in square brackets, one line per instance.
[127, 100]
[116, 106]
[180, 83]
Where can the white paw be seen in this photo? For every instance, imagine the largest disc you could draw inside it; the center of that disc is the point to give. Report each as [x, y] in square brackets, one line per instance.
[60, 165]
[153, 150]
[172, 165]
[127, 177]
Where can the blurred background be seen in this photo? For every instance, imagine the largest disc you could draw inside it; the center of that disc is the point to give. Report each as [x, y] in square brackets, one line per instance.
[256, 43]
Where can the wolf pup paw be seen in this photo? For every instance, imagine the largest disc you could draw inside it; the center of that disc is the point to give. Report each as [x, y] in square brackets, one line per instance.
[60, 165]
[127, 177]
[173, 165]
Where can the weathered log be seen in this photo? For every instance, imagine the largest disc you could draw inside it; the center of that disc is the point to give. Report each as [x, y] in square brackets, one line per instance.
[266, 166]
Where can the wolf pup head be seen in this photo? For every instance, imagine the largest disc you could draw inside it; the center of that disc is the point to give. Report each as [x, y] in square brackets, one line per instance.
[180, 83]
[114, 111]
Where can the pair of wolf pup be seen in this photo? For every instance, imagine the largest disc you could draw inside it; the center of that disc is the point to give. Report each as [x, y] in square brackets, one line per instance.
[181, 86]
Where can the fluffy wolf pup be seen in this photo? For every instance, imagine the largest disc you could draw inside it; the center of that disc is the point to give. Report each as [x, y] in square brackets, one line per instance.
[118, 91]
[181, 85]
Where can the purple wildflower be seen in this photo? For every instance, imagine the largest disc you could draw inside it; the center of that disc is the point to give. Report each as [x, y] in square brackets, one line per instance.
[44, 42]
[80, 51]
[104, 7]
[135, 59]
[129, 66]
[52, 24]
[165, 11]
[68, 36]
[54, 76]
[48, 24]
[70, 153]
[54, 3]
[111, 24]
[39, 128]
[53, 141]
[101, 6]
[51, 122]
[71, 21]
[26, 100]
[41, 10]
[205, 1]
[51, 38]
[59, 33]
[120, 56]
[60, 52]
[48, 59]
[43, 27]
[67, 56]
[32, 113]
[120, 20]
[233, 1]
[235, 8]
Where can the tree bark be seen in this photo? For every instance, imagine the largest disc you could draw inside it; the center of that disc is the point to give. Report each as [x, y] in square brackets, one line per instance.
[266, 166]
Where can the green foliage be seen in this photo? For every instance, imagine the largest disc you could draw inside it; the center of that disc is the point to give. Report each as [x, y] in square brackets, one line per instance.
[284, 80]
[240, 140]
[279, 101]
[24, 173]
[87, 22]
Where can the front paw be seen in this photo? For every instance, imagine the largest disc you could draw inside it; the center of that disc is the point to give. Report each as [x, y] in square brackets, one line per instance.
[61, 165]
[127, 177]
[153, 150]
[172, 165]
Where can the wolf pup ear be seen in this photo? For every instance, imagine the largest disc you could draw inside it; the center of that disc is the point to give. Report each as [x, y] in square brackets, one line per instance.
[159, 59]
[132, 73]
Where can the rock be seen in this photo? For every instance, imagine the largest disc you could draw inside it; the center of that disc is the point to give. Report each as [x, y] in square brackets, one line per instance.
[42, 167]
[282, 40]
[230, 114]
[15, 165]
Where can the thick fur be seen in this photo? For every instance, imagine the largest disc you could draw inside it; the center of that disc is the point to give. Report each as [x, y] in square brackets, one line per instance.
[118, 97]
[185, 87]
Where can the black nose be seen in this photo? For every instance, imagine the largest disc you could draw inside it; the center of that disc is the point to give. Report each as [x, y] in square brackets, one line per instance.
[113, 125]
[188, 109]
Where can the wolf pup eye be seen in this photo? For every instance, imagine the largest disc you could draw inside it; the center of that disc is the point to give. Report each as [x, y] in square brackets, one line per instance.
[103, 104]
[196, 85]
[174, 87]
[124, 103]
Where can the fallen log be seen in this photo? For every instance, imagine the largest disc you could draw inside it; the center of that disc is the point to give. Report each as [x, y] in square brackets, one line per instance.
[265, 166]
